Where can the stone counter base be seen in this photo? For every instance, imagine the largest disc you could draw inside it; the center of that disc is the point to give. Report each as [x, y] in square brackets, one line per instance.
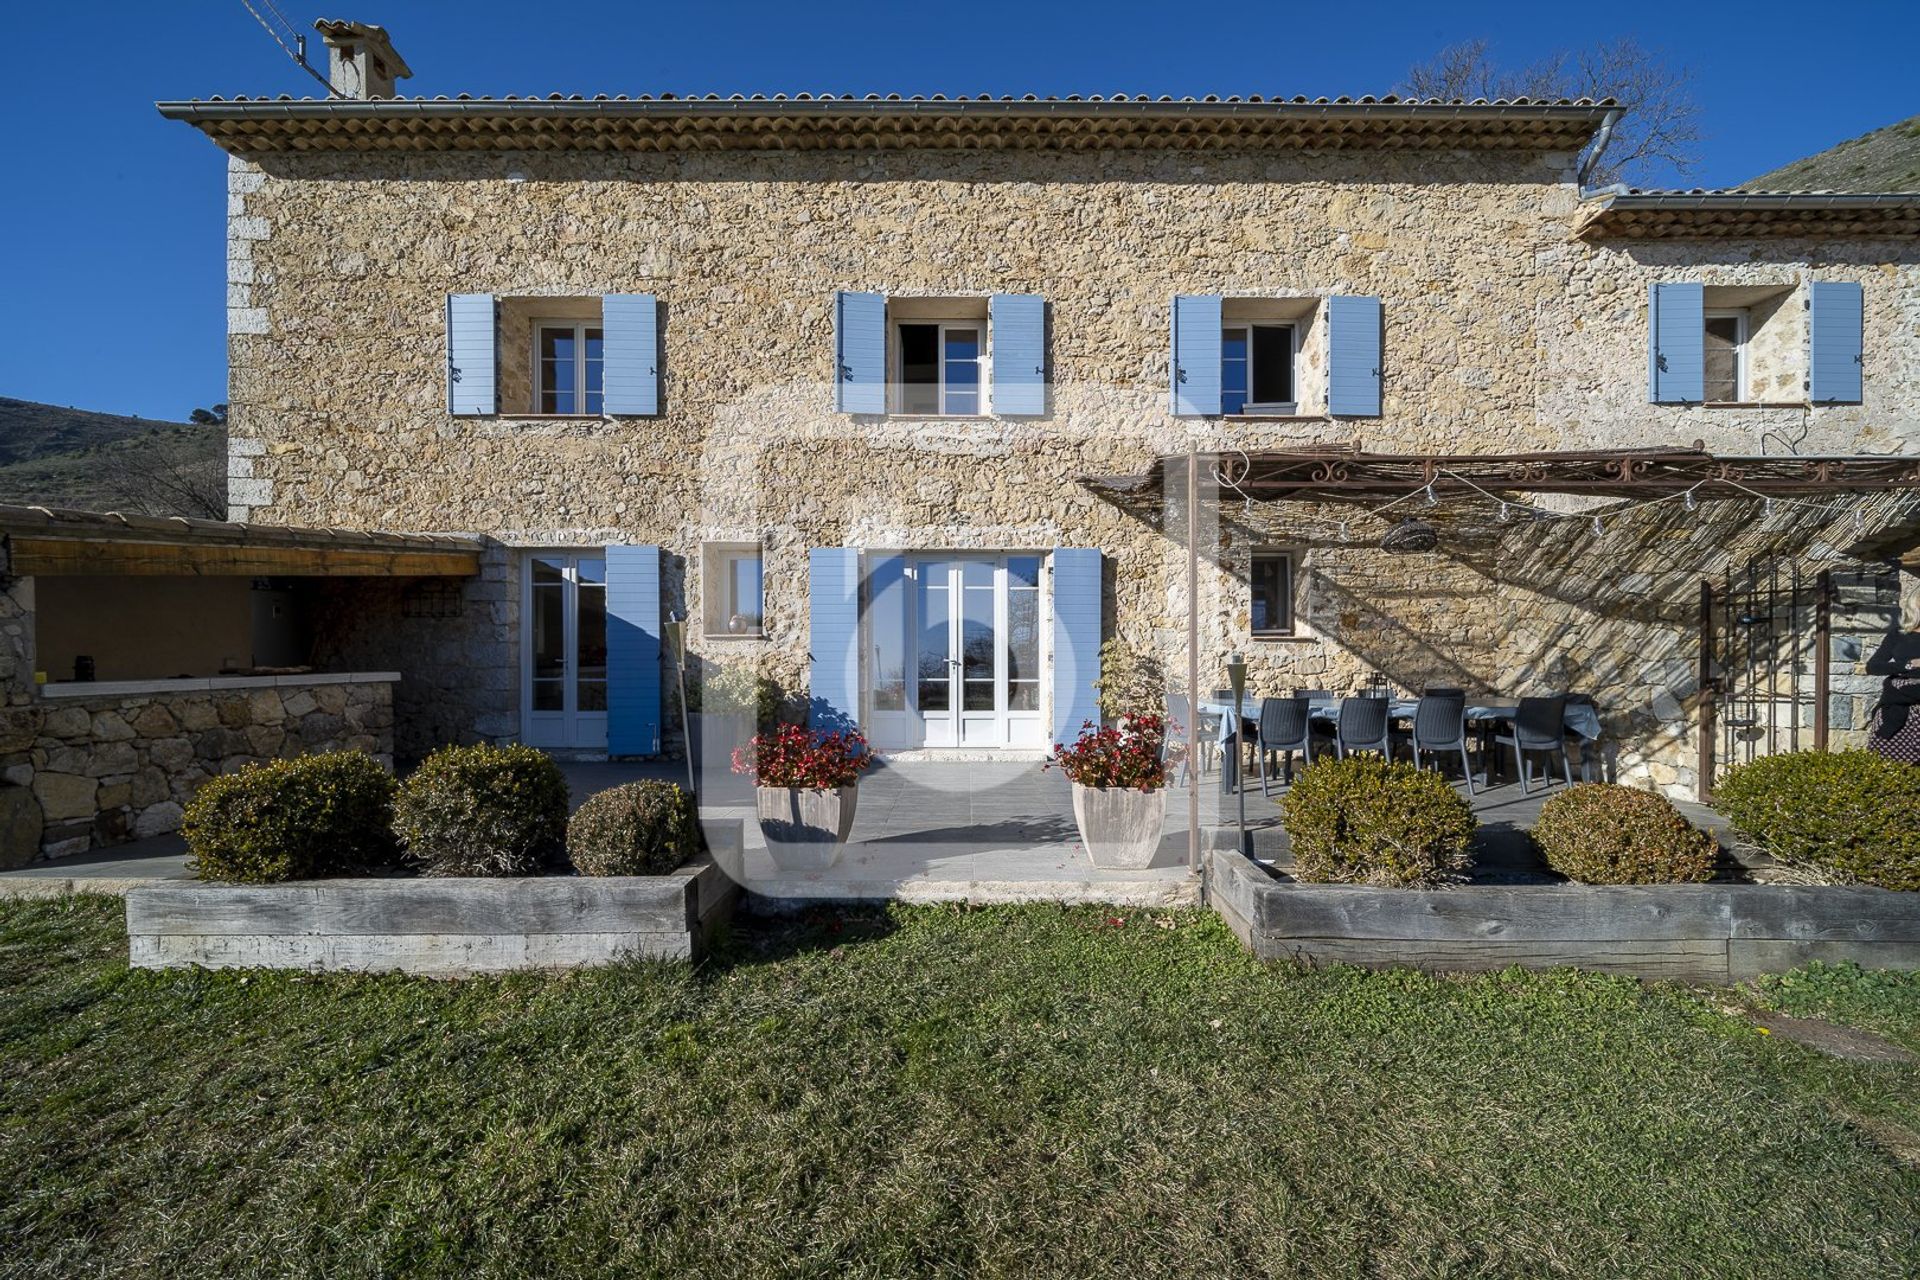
[438, 928]
[1718, 933]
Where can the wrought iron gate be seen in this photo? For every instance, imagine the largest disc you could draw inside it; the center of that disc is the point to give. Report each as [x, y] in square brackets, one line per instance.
[1764, 644]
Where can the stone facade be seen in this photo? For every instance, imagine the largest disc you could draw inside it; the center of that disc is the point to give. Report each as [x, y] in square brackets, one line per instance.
[103, 768]
[1503, 331]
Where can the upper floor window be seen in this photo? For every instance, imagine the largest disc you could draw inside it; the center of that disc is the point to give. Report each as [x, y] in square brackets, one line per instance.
[939, 367]
[1256, 368]
[569, 358]
[1725, 368]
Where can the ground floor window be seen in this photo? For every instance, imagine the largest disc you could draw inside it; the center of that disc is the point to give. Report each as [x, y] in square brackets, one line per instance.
[733, 588]
[1272, 581]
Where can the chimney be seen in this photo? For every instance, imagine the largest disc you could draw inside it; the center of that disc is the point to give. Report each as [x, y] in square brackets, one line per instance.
[361, 63]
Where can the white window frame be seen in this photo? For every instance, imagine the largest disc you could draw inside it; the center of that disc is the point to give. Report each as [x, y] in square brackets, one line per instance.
[1743, 321]
[1276, 409]
[1292, 559]
[579, 327]
[898, 382]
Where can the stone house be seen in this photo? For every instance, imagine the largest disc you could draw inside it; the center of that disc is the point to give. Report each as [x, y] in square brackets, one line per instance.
[893, 400]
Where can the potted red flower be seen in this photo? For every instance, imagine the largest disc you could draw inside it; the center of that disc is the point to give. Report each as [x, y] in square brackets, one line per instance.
[1119, 777]
[805, 788]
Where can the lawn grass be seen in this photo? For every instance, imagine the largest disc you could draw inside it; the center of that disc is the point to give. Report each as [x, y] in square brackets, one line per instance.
[942, 1092]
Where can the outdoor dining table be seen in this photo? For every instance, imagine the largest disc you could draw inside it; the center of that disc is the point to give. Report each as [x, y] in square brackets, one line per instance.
[1582, 721]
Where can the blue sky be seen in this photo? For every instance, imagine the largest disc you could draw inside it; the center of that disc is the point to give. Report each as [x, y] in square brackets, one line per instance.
[114, 218]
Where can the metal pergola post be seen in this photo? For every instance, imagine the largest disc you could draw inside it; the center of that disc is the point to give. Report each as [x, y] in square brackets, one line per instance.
[1193, 664]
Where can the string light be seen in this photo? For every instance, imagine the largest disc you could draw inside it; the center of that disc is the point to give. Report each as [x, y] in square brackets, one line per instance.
[1596, 526]
[1431, 500]
[1766, 507]
[1506, 513]
[1691, 502]
[1343, 532]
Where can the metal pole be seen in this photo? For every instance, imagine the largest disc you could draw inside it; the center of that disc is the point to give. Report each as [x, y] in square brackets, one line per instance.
[1193, 664]
[1237, 676]
[1822, 656]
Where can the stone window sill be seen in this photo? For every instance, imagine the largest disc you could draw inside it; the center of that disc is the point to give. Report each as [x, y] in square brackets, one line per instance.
[1755, 404]
[1298, 637]
[733, 635]
[206, 684]
[1276, 417]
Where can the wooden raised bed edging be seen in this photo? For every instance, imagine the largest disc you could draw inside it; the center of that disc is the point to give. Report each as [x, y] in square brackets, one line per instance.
[1717, 933]
[450, 927]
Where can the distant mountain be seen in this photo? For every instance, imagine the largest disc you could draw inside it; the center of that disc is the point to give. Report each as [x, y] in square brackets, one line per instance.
[52, 456]
[1885, 160]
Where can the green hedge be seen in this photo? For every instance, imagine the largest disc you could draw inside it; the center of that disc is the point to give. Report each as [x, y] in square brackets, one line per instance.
[483, 811]
[329, 814]
[1851, 814]
[636, 829]
[1600, 833]
[1363, 820]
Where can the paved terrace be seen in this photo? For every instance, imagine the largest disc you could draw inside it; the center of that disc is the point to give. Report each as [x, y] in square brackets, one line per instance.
[931, 832]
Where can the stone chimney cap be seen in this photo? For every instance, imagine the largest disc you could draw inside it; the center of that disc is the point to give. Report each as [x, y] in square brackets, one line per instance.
[333, 30]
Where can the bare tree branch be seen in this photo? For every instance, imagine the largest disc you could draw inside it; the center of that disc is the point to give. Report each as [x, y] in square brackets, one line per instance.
[166, 473]
[1659, 130]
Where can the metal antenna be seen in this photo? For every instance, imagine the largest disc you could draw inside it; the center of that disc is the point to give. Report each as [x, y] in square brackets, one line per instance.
[299, 57]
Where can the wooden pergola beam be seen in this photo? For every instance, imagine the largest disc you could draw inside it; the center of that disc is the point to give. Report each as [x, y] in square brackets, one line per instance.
[78, 557]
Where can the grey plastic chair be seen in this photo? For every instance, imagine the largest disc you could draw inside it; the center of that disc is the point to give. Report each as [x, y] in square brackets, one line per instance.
[1440, 725]
[1540, 728]
[1285, 727]
[1179, 717]
[1363, 726]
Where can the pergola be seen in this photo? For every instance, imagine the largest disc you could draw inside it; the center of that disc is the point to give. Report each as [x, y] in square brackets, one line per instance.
[1347, 474]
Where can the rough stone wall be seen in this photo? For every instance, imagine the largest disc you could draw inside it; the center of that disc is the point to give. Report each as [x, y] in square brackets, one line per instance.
[116, 767]
[455, 643]
[1503, 332]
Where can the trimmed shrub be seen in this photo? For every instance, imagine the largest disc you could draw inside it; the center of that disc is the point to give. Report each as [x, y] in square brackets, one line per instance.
[1602, 833]
[329, 814]
[636, 829]
[483, 811]
[1851, 814]
[1364, 820]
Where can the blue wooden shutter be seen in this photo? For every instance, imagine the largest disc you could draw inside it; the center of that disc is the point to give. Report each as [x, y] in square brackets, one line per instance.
[1018, 324]
[630, 376]
[633, 651]
[470, 338]
[1676, 343]
[1194, 368]
[1835, 325]
[1353, 356]
[860, 352]
[1076, 639]
[833, 637]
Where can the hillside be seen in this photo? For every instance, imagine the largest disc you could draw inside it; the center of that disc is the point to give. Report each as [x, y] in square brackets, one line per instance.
[59, 457]
[1885, 160]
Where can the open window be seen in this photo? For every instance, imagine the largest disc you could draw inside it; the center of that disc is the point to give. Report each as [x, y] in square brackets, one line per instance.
[938, 350]
[1262, 371]
[1753, 347]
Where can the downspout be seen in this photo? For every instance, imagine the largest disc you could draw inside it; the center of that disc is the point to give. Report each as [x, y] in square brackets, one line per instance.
[1591, 156]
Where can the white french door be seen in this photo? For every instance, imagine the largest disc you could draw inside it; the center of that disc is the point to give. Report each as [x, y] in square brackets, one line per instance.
[955, 645]
[564, 663]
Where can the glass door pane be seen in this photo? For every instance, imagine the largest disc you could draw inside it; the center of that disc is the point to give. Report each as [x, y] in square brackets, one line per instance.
[935, 679]
[549, 650]
[887, 616]
[590, 636]
[1023, 633]
[977, 635]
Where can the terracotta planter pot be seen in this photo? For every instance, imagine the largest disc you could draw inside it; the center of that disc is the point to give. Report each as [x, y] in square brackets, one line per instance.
[806, 827]
[1120, 826]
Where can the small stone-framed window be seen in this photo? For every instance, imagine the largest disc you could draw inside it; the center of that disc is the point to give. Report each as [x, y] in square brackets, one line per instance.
[1272, 356]
[1271, 614]
[732, 589]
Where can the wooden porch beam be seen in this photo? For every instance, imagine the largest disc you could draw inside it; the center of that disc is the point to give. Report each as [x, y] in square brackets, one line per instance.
[51, 557]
